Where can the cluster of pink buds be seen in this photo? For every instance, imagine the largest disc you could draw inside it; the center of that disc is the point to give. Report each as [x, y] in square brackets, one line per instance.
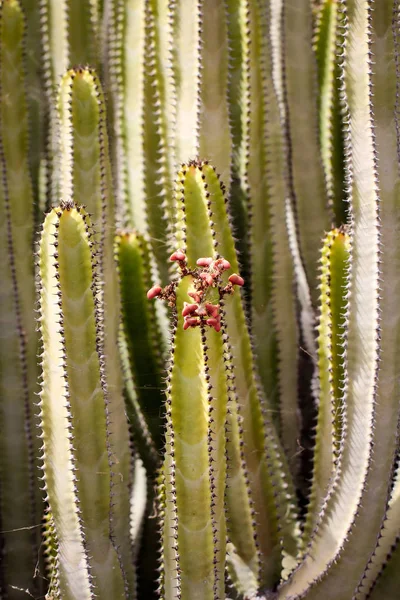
[207, 277]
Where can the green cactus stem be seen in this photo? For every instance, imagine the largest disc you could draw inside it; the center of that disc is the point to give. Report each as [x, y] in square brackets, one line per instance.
[142, 343]
[194, 470]
[347, 493]
[78, 442]
[331, 372]
[330, 114]
[20, 501]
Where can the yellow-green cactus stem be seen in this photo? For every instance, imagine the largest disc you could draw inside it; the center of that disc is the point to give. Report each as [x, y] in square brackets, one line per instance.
[192, 490]
[78, 441]
[331, 371]
[86, 177]
[331, 543]
[269, 493]
[326, 45]
[20, 500]
[70, 36]
[142, 343]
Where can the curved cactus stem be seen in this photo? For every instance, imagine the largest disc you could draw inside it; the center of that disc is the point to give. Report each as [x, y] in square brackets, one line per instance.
[75, 426]
[326, 44]
[138, 504]
[269, 481]
[299, 118]
[331, 373]
[143, 342]
[347, 493]
[387, 585]
[20, 503]
[86, 177]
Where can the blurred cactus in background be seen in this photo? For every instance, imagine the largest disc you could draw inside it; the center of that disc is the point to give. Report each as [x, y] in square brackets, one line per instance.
[199, 299]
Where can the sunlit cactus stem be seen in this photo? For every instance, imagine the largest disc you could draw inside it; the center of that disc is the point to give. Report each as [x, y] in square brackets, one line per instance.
[78, 442]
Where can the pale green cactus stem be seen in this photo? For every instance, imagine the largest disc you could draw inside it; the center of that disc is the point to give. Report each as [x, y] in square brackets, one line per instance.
[142, 344]
[326, 45]
[138, 83]
[86, 177]
[20, 505]
[350, 489]
[265, 483]
[194, 471]
[331, 374]
[296, 83]
[70, 36]
[383, 31]
[78, 443]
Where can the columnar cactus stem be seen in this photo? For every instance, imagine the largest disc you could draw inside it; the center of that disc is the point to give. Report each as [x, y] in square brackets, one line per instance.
[142, 342]
[330, 119]
[331, 374]
[20, 504]
[305, 171]
[77, 438]
[201, 190]
[347, 492]
[86, 177]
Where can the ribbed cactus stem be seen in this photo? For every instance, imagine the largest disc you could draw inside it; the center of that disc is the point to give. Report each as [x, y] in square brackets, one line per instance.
[194, 471]
[331, 373]
[86, 177]
[20, 502]
[77, 438]
[142, 343]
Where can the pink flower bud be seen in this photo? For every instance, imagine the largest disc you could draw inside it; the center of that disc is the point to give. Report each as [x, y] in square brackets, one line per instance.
[154, 292]
[222, 265]
[236, 280]
[204, 262]
[207, 277]
[189, 309]
[190, 322]
[178, 256]
[196, 297]
[214, 323]
[212, 309]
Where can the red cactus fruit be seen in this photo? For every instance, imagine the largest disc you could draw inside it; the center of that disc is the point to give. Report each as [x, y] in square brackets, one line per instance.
[236, 279]
[154, 292]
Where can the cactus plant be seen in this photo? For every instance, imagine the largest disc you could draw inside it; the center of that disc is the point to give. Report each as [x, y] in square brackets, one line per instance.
[224, 423]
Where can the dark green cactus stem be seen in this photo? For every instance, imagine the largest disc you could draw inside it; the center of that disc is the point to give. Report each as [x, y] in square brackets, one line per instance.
[86, 177]
[330, 113]
[142, 343]
[20, 501]
[78, 442]
[331, 373]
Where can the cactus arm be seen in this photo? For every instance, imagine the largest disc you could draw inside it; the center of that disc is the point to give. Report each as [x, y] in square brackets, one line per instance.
[362, 348]
[261, 446]
[142, 335]
[86, 176]
[387, 585]
[305, 170]
[334, 259]
[18, 347]
[330, 121]
[215, 139]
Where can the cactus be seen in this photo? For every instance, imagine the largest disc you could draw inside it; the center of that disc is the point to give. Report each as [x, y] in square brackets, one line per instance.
[224, 423]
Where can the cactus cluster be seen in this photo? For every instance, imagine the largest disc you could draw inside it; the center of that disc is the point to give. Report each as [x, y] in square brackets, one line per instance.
[199, 299]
